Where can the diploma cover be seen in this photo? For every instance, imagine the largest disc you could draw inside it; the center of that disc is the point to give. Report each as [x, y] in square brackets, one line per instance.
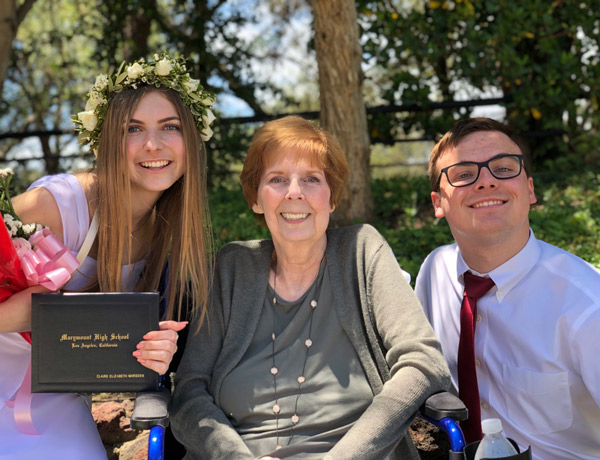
[83, 342]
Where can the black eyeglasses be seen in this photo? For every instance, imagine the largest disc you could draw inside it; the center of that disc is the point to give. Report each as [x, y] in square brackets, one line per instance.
[503, 166]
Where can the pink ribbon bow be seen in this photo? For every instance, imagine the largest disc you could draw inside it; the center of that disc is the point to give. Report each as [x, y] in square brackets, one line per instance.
[50, 264]
[22, 406]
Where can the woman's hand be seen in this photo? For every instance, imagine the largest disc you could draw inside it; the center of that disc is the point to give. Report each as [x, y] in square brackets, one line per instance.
[158, 347]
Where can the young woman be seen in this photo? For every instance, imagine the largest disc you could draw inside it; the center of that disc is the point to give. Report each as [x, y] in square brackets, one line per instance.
[142, 205]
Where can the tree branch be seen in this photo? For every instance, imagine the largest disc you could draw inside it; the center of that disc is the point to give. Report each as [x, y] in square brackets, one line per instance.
[23, 9]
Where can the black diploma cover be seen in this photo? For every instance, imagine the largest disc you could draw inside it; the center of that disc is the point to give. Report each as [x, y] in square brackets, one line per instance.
[82, 342]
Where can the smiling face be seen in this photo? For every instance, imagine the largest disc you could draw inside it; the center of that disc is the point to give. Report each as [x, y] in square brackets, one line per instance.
[294, 197]
[490, 211]
[155, 146]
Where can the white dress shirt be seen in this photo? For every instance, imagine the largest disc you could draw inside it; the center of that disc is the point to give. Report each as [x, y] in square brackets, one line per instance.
[537, 344]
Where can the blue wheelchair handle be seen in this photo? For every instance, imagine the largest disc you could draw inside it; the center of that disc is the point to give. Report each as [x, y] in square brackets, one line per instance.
[452, 429]
[156, 441]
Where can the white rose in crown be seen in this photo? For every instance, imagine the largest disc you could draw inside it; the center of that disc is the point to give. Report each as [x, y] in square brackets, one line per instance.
[206, 134]
[134, 71]
[191, 85]
[162, 71]
[208, 118]
[88, 119]
[94, 101]
[163, 67]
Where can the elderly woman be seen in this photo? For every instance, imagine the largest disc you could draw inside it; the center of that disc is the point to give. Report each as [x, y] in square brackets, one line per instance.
[315, 346]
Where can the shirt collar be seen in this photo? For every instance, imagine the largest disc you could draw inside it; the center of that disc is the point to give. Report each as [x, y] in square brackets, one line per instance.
[507, 275]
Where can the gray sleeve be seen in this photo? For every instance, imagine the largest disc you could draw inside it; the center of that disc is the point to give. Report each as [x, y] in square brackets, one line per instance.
[197, 422]
[417, 366]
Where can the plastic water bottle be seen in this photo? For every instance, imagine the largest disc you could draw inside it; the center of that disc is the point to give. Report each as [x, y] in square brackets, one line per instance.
[493, 444]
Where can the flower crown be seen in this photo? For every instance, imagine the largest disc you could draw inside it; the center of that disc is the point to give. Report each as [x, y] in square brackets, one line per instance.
[160, 71]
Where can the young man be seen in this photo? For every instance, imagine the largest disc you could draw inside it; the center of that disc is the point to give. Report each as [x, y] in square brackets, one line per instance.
[532, 358]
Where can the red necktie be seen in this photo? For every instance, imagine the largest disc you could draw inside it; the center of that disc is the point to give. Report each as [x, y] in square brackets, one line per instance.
[475, 288]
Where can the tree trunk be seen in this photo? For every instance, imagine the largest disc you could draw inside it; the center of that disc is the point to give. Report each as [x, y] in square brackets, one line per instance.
[50, 158]
[10, 18]
[137, 31]
[343, 111]
[8, 30]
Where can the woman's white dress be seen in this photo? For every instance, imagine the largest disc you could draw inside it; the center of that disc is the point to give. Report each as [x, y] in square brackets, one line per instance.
[64, 421]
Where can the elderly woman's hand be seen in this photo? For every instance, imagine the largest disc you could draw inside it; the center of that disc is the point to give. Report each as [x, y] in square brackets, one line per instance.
[158, 347]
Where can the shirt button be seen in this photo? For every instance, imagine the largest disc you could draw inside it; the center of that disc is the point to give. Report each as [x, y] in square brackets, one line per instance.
[484, 405]
[501, 294]
[479, 318]
[477, 363]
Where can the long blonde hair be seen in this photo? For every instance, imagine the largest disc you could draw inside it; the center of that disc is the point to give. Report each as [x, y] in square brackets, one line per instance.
[181, 230]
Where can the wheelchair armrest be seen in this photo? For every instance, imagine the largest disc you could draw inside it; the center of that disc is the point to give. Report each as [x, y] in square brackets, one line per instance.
[151, 409]
[442, 405]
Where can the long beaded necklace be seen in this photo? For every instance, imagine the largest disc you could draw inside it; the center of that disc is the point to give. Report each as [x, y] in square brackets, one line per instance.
[295, 418]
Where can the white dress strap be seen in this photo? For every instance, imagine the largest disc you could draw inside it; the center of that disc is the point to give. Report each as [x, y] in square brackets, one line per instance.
[89, 239]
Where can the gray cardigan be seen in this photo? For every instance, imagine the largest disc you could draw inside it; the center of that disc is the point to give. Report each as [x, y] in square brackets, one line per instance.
[375, 307]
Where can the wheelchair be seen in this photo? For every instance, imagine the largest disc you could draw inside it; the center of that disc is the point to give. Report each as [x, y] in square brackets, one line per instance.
[151, 412]
[443, 410]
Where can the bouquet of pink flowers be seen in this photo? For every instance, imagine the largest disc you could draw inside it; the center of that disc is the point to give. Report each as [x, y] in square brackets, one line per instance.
[29, 254]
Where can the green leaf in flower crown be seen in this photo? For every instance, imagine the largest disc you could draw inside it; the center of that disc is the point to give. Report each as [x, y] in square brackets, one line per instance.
[120, 78]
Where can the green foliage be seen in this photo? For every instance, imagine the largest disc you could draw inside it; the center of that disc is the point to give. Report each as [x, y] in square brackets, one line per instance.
[411, 244]
[50, 70]
[404, 216]
[226, 149]
[541, 55]
[232, 220]
[566, 216]
[208, 33]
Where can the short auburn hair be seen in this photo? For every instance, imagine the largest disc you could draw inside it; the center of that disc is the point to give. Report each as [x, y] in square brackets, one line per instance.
[299, 136]
[461, 130]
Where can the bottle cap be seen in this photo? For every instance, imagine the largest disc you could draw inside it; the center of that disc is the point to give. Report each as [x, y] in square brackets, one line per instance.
[491, 426]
